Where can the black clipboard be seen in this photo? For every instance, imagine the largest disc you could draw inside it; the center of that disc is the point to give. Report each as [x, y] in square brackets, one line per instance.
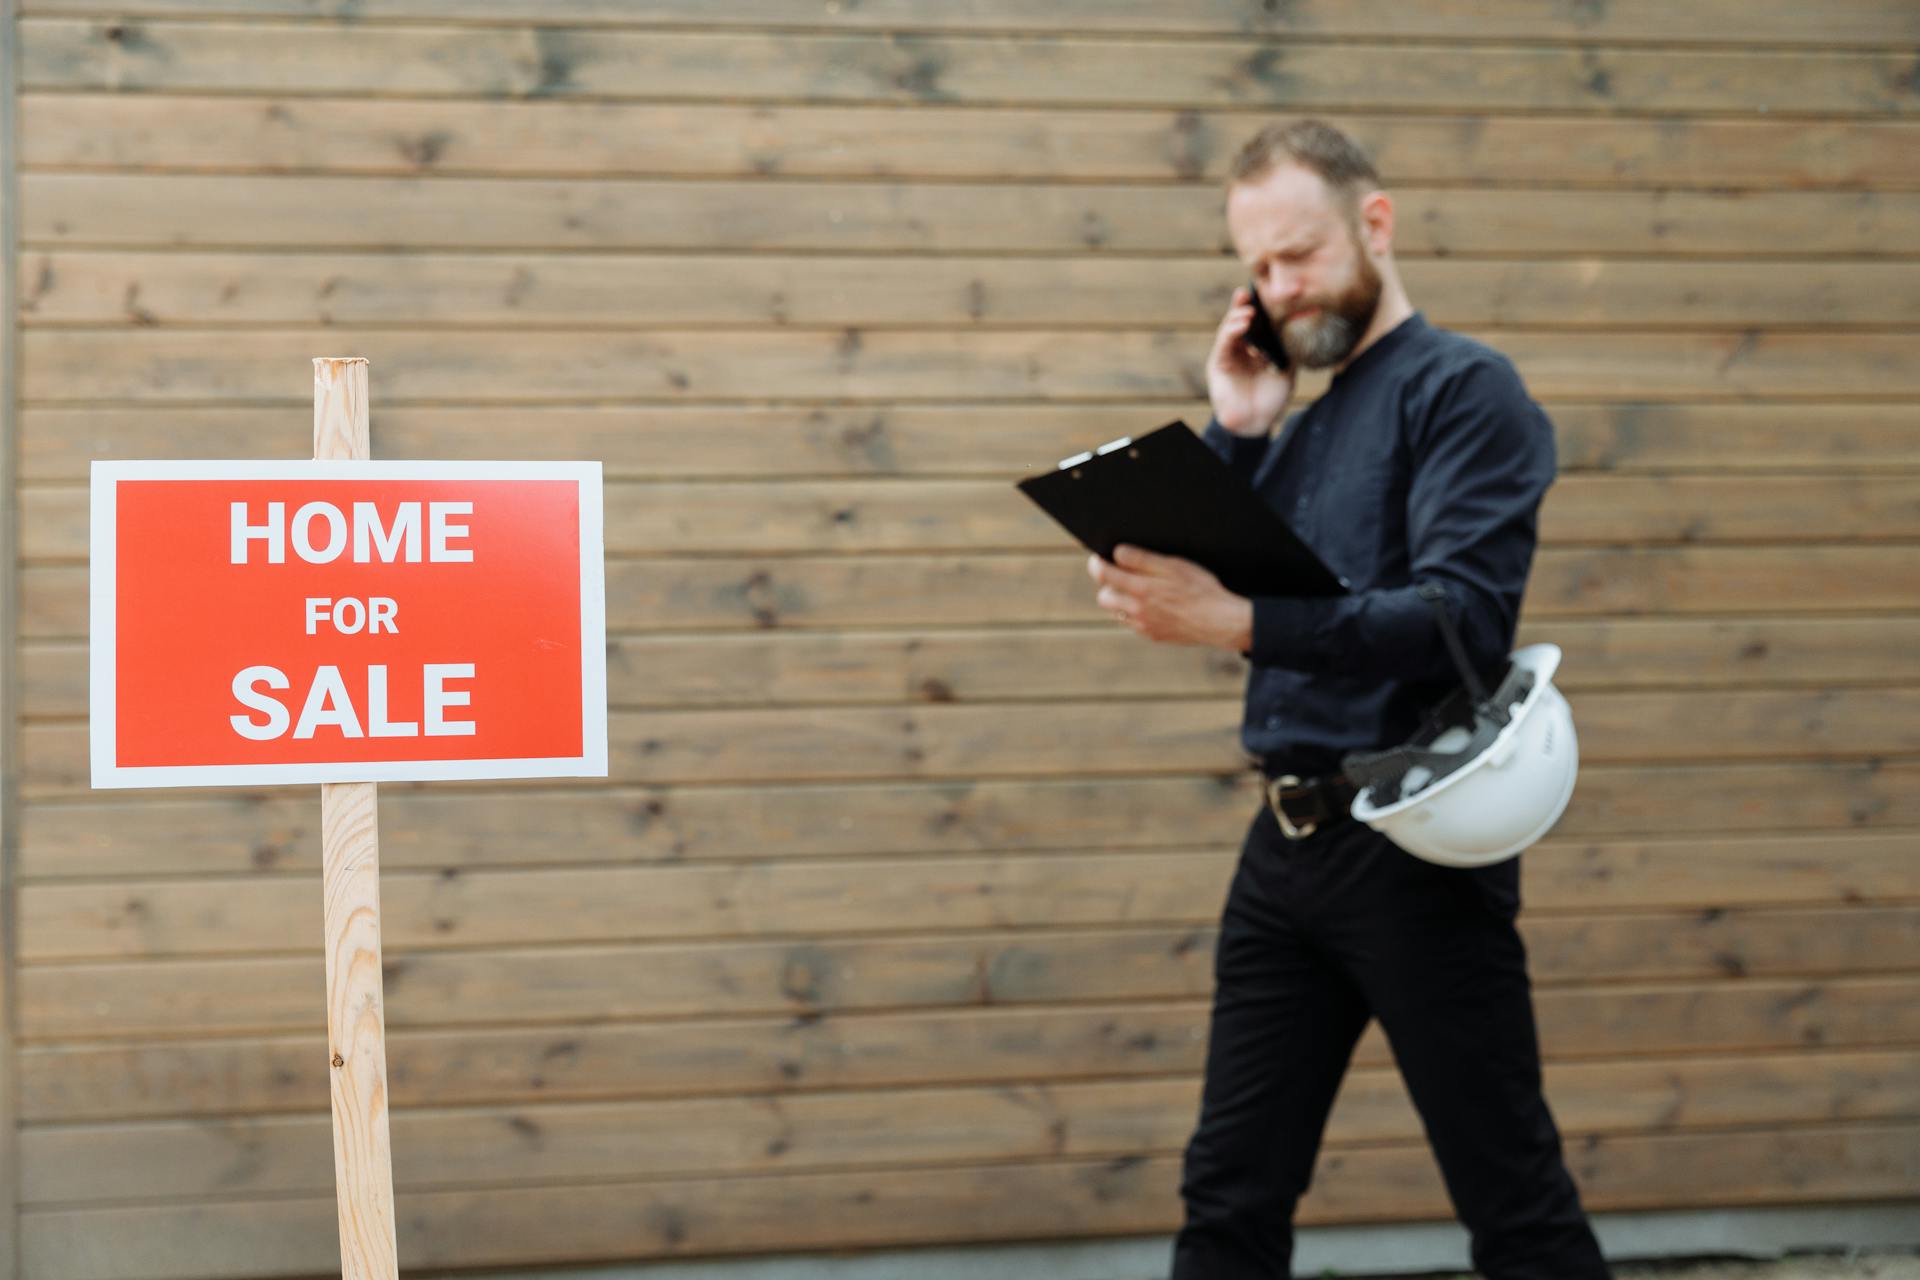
[1168, 492]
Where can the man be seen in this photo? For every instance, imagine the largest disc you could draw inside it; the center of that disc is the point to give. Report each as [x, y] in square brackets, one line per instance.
[1423, 463]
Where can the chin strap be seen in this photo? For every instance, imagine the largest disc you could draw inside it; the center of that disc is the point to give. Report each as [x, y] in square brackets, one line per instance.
[1480, 715]
[1436, 595]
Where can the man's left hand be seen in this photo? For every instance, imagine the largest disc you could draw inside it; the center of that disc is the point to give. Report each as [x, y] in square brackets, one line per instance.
[1171, 601]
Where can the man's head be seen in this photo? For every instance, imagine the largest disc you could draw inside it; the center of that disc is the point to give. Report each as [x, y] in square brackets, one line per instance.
[1308, 218]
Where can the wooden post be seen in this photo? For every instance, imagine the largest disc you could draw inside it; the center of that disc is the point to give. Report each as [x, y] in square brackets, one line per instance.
[356, 1014]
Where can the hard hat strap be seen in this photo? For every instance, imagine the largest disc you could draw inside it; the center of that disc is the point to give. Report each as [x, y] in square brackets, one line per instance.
[1436, 595]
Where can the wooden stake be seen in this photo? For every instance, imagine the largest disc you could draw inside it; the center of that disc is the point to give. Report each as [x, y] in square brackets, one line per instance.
[356, 1014]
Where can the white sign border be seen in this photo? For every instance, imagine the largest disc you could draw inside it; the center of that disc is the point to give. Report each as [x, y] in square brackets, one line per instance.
[103, 637]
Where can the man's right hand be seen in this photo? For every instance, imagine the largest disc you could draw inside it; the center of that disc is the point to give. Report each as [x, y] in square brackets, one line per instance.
[1248, 393]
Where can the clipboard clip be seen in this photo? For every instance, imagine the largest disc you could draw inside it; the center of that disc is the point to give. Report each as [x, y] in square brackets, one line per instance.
[1067, 464]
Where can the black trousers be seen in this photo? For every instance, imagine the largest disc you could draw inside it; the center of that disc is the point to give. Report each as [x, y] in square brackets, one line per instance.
[1319, 936]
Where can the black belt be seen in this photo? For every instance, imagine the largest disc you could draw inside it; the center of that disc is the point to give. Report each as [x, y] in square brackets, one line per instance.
[1301, 805]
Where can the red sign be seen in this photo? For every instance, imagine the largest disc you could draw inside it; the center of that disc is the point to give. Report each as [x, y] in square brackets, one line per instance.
[258, 622]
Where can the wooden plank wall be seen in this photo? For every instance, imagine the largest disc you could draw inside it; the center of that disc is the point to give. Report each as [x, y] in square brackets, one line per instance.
[893, 923]
[9, 664]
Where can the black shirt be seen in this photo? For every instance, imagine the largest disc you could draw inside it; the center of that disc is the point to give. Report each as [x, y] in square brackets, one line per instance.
[1425, 461]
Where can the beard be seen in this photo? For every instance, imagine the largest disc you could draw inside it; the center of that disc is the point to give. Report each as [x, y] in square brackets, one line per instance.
[1329, 337]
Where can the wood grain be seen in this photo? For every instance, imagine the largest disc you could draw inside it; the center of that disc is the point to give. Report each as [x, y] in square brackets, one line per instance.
[554, 62]
[350, 889]
[98, 1083]
[560, 985]
[162, 365]
[473, 829]
[767, 290]
[895, 926]
[191, 210]
[950, 665]
[1160, 736]
[755, 1136]
[356, 1032]
[694, 142]
[887, 515]
[1041, 1200]
[1762, 22]
[431, 910]
[772, 441]
[847, 591]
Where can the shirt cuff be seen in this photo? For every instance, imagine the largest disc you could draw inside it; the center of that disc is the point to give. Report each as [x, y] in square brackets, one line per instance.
[1242, 453]
[1287, 631]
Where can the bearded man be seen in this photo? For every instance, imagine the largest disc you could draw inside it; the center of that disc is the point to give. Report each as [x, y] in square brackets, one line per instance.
[1421, 467]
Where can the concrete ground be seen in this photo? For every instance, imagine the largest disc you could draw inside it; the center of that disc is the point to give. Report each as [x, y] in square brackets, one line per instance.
[1878, 1266]
[1874, 1265]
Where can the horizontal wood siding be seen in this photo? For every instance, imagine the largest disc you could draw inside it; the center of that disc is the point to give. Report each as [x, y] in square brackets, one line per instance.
[893, 925]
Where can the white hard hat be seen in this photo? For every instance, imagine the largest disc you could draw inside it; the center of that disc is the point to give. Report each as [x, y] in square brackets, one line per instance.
[1484, 778]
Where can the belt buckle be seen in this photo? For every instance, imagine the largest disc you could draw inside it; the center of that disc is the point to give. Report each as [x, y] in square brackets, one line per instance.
[1287, 828]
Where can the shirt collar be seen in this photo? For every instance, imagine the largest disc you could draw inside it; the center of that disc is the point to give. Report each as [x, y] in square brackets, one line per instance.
[1397, 336]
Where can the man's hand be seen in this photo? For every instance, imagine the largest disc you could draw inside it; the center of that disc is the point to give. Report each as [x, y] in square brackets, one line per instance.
[1172, 601]
[1247, 392]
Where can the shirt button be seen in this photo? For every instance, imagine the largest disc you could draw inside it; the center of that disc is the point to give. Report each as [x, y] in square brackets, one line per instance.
[1273, 722]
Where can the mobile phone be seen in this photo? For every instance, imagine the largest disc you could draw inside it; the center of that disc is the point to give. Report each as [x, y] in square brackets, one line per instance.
[1263, 337]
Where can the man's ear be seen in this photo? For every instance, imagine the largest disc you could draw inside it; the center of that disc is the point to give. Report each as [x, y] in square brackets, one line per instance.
[1376, 222]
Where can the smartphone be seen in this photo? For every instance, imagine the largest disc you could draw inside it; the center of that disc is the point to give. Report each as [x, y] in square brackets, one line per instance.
[1263, 337]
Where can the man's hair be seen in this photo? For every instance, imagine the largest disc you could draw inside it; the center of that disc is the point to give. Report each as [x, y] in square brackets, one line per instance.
[1314, 145]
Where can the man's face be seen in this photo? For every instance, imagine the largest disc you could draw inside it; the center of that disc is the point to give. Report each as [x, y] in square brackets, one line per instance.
[1315, 278]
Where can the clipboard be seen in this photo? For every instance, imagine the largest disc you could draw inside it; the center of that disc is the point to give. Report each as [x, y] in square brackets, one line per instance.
[1168, 492]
